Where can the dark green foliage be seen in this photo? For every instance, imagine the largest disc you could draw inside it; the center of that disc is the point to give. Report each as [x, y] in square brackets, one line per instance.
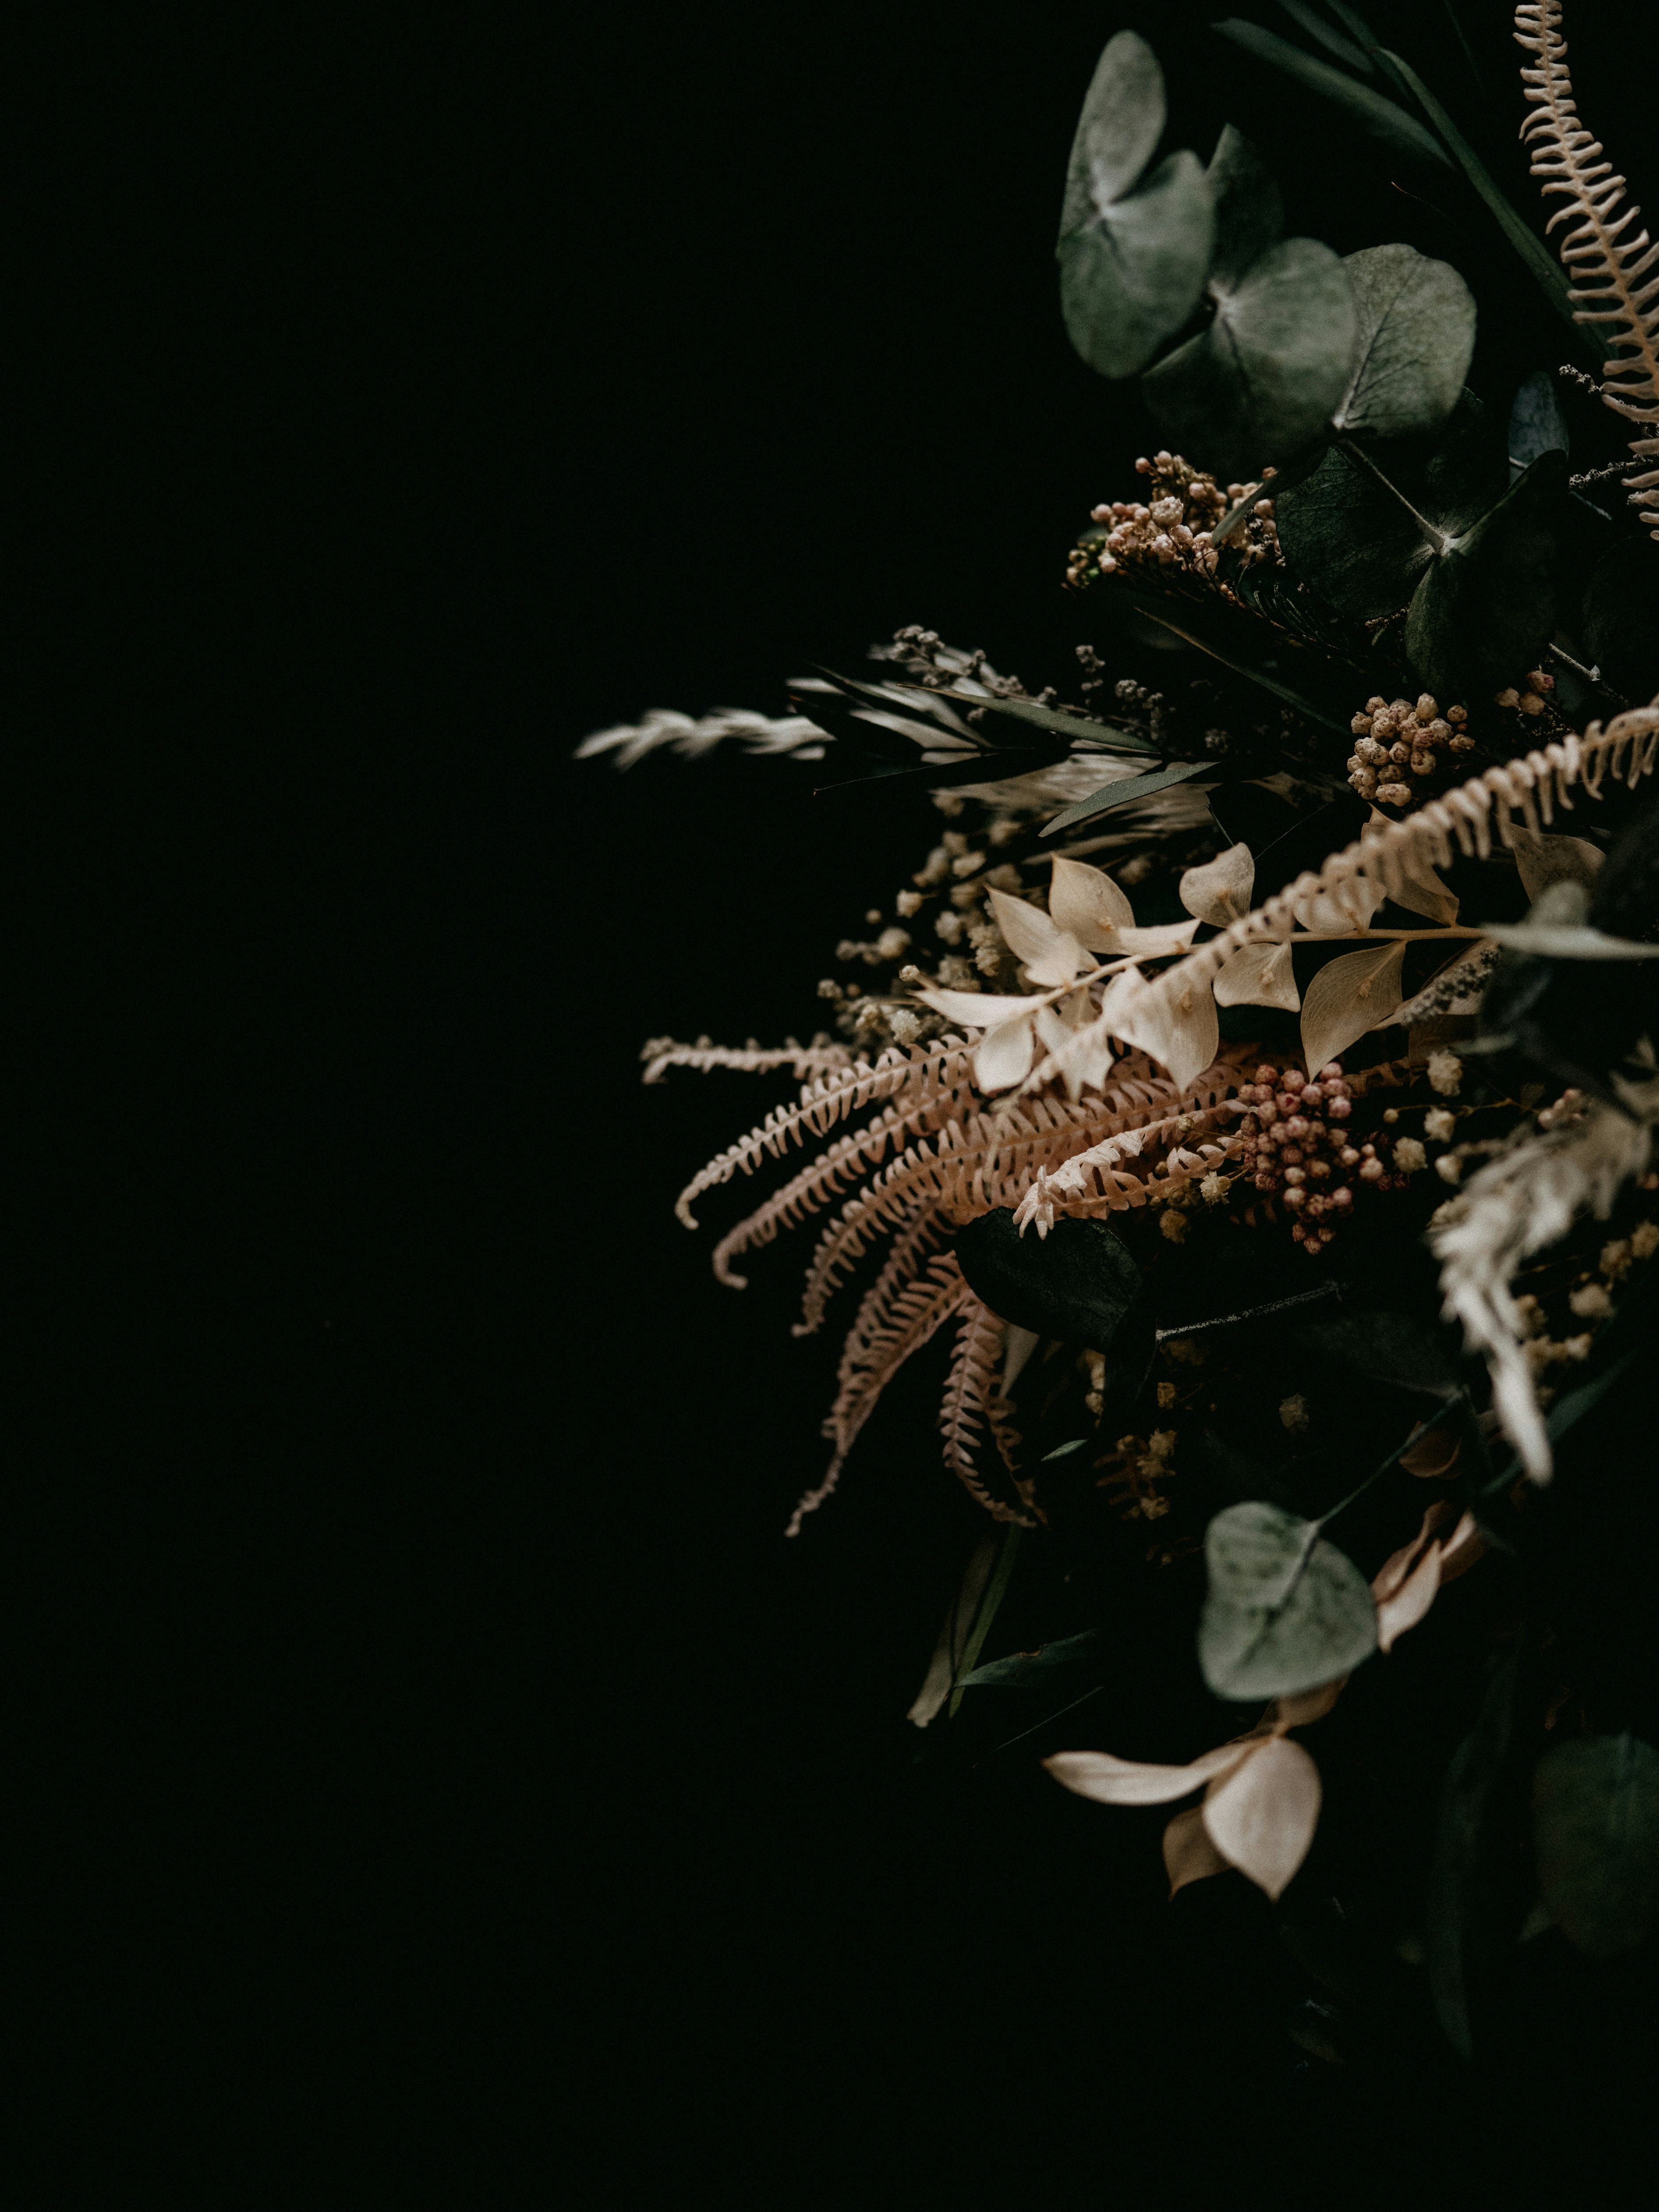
[1414, 340]
[1030, 1670]
[1375, 114]
[1595, 1833]
[1122, 791]
[1079, 1284]
[1535, 422]
[1485, 610]
[1461, 1905]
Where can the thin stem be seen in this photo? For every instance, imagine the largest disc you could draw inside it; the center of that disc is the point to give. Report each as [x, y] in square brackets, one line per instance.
[1433, 538]
[1591, 675]
[1451, 1406]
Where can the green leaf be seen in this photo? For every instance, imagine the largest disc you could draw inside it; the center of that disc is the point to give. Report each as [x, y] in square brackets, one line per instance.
[1595, 1832]
[1130, 277]
[1073, 726]
[1454, 1877]
[1078, 1284]
[1313, 23]
[1619, 617]
[1381, 117]
[1355, 528]
[1134, 250]
[1117, 133]
[1027, 1670]
[1390, 1347]
[1121, 792]
[1286, 1611]
[988, 1607]
[1416, 339]
[1250, 212]
[1259, 385]
[1535, 422]
[1541, 263]
[1486, 608]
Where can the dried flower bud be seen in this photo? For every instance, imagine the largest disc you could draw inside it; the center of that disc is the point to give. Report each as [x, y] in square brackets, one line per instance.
[1590, 1302]
[1509, 697]
[1462, 745]
[1530, 703]
[1409, 1157]
[1445, 1073]
[1394, 795]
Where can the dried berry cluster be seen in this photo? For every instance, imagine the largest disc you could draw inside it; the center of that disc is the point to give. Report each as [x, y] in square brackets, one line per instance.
[1396, 741]
[1296, 1148]
[1172, 529]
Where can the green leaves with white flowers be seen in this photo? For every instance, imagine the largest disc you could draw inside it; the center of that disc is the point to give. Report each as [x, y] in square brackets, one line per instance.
[1135, 249]
[1285, 1611]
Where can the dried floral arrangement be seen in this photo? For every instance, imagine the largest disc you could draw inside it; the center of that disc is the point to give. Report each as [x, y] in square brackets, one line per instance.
[1255, 1082]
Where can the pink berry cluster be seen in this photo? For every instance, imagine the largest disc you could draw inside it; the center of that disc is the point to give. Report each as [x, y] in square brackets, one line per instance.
[1294, 1146]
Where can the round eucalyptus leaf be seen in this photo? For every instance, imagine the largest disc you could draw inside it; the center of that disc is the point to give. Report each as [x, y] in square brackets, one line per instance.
[1415, 323]
[1260, 383]
[1131, 275]
[1595, 1830]
[1485, 610]
[1250, 211]
[1118, 131]
[1286, 1611]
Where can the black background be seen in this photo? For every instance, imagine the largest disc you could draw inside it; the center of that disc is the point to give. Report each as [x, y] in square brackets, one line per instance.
[443, 1749]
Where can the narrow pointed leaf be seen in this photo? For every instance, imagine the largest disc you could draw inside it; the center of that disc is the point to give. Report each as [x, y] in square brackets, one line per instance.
[1111, 1781]
[1121, 793]
[1188, 1853]
[1595, 1830]
[1375, 114]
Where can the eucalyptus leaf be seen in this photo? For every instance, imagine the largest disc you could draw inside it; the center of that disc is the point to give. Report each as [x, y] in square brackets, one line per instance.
[1485, 610]
[1078, 1283]
[1416, 339]
[1380, 117]
[1135, 249]
[1356, 528]
[1259, 384]
[1595, 1833]
[1535, 422]
[1249, 209]
[1286, 1610]
[1127, 788]
[1072, 727]
[1029, 1670]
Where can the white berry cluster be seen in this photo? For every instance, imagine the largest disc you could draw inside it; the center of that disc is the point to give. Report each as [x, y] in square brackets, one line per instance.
[1397, 740]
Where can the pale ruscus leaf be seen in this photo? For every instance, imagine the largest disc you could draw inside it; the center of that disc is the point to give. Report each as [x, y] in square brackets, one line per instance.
[1004, 1057]
[1219, 892]
[1111, 1781]
[1085, 901]
[1259, 975]
[976, 1009]
[1049, 954]
[1353, 995]
[1173, 1020]
[1262, 1816]
[1189, 1854]
[1544, 860]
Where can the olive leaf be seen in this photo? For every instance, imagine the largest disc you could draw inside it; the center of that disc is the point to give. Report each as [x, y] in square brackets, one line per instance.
[1121, 792]
[1535, 422]
[1028, 1669]
[1486, 607]
[1348, 998]
[1379, 116]
[1285, 1611]
[1259, 385]
[1078, 1284]
[1132, 254]
[1363, 527]
[1415, 341]
[1595, 1830]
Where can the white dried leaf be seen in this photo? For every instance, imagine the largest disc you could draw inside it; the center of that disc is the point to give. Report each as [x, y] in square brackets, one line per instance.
[1348, 997]
[1544, 861]
[1174, 1019]
[1189, 1854]
[1220, 890]
[1567, 941]
[1004, 1057]
[975, 1010]
[1261, 1817]
[1111, 1781]
[1461, 1550]
[1421, 891]
[1050, 954]
[1258, 974]
[1163, 937]
[1087, 903]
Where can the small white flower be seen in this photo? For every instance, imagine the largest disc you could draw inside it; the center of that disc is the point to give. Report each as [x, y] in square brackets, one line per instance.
[1409, 1156]
[1212, 1188]
[1590, 1302]
[1439, 1124]
[1644, 1239]
[1445, 1073]
[1295, 1415]
[905, 1025]
[908, 903]
[1449, 1168]
[893, 943]
[1173, 1225]
[948, 926]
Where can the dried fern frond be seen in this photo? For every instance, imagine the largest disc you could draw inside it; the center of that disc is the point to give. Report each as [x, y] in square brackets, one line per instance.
[899, 1315]
[1526, 1198]
[1621, 290]
[821, 1057]
[969, 1395]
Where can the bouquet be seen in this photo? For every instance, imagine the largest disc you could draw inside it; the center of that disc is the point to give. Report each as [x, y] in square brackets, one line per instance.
[1253, 1087]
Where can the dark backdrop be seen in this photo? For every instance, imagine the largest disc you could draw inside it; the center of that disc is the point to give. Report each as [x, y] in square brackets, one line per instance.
[437, 1724]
